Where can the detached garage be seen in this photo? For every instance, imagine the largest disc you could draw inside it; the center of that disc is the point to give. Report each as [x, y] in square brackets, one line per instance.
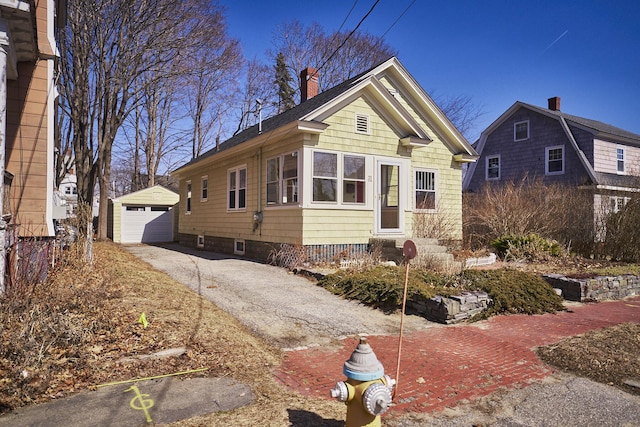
[145, 216]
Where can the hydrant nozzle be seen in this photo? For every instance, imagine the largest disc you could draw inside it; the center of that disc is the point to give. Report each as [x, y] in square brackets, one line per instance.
[367, 391]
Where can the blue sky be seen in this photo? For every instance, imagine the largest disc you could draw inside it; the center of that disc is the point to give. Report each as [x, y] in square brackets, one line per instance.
[496, 52]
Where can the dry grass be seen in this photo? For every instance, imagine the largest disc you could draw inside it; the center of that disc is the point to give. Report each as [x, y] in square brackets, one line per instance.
[73, 333]
[610, 356]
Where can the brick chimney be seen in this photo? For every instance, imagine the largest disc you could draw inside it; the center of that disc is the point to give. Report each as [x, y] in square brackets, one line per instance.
[554, 103]
[308, 83]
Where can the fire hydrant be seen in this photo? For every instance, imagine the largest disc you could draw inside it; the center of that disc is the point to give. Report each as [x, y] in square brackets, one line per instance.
[367, 391]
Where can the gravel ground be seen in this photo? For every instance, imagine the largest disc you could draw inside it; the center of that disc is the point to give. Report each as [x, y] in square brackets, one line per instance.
[285, 309]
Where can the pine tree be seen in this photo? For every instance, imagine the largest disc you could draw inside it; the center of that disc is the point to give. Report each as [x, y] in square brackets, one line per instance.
[283, 81]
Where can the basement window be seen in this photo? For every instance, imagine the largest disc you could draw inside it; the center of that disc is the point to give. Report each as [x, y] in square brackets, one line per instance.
[200, 242]
[238, 247]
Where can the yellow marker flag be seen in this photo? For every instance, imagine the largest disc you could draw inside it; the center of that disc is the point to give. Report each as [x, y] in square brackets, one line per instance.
[143, 320]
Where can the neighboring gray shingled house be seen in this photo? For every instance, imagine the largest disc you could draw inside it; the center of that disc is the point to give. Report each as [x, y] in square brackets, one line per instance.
[530, 142]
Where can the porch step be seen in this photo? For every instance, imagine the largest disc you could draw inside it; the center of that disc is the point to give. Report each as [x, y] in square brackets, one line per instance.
[428, 252]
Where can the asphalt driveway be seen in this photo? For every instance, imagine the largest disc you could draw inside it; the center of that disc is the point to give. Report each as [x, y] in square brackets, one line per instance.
[285, 309]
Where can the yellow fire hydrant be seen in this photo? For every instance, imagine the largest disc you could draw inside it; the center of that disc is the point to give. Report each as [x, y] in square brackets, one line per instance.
[367, 391]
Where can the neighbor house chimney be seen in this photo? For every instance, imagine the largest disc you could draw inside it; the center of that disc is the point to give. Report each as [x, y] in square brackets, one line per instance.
[554, 103]
[308, 83]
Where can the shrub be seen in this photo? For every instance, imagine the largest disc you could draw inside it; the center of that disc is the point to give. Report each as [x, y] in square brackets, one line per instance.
[514, 291]
[529, 247]
[379, 287]
[528, 206]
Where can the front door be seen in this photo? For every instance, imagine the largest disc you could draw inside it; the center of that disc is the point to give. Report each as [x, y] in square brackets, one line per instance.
[389, 200]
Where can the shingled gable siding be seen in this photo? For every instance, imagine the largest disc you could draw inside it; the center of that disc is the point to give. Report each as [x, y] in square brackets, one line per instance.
[527, 158]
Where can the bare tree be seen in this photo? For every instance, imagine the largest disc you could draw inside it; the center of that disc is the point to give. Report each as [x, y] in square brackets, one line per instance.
[338, 55]
[461, 111]
[259, 93]
[211, 85]
[107, 46]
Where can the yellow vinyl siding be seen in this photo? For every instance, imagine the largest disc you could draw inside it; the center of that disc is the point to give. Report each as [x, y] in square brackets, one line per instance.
[341, 135]
[324, 226]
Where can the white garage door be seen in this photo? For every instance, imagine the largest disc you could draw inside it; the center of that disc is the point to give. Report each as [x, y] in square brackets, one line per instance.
[147, 224]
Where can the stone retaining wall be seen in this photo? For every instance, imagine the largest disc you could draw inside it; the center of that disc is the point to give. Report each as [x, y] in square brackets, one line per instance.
[595, 289]
[451, 309]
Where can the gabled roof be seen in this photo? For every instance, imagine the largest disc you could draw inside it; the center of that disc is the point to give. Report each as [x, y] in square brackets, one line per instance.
[598, 129]
[309, 114]
[153, 193]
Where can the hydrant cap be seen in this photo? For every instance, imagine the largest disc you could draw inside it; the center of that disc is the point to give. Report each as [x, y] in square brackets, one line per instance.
[363, 365]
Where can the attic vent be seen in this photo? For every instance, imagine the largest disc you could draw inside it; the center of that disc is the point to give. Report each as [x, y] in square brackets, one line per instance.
[362, 123]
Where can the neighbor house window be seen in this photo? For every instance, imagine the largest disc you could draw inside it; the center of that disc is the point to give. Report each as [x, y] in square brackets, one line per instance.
[618, 203]
[204, 181]
[237, 185]
[620, 159]
[282, 179]
[188, 209]
[493, 167]
[325, 177]
[425, 190]
[521, 131]
[339, 178]
[554, 160]
[362, 123]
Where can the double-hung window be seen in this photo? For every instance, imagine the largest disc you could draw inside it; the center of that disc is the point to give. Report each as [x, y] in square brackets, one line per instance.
[620, 159]
[325, 177]
[339, 178]
[282, 179]
[425, 190]
[521, 131]
[237, 188]
[204, 188]
[353, 179]
[188, 208]
[554, 164]
[493, 168]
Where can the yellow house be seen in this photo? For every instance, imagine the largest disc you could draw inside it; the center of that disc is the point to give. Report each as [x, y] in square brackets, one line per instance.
[354, 163]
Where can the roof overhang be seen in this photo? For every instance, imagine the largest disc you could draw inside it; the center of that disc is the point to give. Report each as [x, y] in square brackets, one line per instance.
[296, 127]
[17, 33]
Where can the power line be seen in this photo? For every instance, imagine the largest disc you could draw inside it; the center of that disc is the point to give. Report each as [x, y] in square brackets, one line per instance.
[345, 40]
[399, 17]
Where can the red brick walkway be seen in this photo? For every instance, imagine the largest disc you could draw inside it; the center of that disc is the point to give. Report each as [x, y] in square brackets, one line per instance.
[441, 366]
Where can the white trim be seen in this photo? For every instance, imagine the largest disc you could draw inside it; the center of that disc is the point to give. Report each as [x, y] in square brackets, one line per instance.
[237, 170]
[188, 199]
[280, 181]
[339, 203]
[546, 160]
[624, 163]
[435, 190]
[486, 167]
[403, 193]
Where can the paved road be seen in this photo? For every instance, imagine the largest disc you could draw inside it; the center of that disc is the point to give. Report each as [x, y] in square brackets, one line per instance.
[283, 308]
